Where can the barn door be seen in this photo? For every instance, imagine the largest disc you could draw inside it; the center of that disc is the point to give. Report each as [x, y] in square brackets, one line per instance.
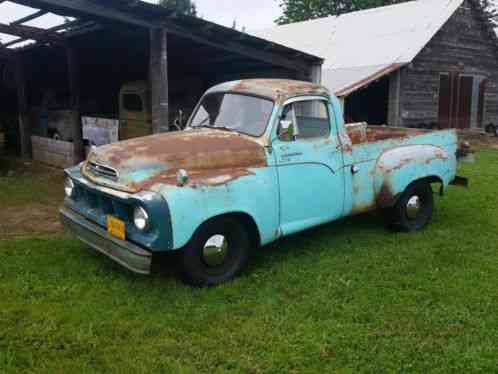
[455, 100]
[444, 101]
[465, 102]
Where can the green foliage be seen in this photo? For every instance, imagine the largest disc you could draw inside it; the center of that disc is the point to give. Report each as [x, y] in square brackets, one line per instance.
[302, 10]
[489, 8]
[181, 6]
[350, 297]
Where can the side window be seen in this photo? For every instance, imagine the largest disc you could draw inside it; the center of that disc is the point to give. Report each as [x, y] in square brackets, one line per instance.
[132, 103]
[310, 118]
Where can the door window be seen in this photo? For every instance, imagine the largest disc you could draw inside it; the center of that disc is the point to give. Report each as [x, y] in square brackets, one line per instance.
[306, 119]
[132, 103]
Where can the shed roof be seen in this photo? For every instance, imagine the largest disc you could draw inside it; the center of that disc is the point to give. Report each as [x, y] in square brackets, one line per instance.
[362, 46]
[29, 30]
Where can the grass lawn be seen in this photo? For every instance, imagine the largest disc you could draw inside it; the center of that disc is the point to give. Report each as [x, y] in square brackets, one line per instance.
[348, 297]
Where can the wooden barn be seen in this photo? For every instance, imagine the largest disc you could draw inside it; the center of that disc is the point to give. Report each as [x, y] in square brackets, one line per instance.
[425, 63]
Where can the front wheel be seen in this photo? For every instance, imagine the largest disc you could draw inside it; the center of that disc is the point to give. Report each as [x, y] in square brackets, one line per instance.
[217, 253]
[414, 209]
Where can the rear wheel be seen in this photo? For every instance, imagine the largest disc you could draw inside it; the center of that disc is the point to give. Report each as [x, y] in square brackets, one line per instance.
[414, 209]
[217, 253]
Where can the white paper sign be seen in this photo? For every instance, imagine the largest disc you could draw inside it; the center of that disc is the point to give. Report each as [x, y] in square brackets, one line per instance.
[100, 131]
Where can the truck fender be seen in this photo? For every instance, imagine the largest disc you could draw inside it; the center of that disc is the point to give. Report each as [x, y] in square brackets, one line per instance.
[397, 168]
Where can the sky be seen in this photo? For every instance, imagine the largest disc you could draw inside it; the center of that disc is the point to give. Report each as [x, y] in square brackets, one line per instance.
[253, 14]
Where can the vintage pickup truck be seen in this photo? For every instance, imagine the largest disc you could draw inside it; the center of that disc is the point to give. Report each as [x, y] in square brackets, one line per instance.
[259, 160]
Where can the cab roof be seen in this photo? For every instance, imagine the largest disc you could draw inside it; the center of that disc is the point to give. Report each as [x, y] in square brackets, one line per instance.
[274, 89]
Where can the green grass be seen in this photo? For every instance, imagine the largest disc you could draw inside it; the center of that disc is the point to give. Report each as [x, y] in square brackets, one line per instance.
[348, 297]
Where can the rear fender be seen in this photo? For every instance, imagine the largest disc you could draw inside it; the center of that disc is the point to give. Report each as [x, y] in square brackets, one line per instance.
[397, 168]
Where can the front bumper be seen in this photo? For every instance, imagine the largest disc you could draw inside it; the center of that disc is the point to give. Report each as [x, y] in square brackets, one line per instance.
[125, 253]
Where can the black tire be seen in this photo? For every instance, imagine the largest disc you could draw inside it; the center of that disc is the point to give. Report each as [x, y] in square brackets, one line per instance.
[197, 271]
[404, 218]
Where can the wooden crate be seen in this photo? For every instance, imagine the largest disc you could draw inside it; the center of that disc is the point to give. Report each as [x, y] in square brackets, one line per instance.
[53, 152]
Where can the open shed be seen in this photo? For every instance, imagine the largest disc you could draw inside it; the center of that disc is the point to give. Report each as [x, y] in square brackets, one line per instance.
[62, 60]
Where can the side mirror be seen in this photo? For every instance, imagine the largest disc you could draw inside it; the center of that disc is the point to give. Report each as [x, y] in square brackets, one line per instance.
[287, 130]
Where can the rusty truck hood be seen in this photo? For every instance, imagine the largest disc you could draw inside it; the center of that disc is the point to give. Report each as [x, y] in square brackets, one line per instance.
[209, 157]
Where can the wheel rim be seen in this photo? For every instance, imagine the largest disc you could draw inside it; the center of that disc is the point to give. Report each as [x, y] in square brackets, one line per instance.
[215, 250]
[413, 207]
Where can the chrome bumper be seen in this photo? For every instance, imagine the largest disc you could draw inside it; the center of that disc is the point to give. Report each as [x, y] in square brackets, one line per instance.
[126, 254]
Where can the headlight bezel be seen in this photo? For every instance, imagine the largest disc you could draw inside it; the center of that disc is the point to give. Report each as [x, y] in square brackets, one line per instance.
[69, 188]
[141, 218]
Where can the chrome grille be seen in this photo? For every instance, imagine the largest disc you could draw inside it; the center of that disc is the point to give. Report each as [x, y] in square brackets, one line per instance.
[102, 171]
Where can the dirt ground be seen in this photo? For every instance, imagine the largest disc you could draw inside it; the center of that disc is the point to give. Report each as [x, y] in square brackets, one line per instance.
[30, 196]
[479, 140]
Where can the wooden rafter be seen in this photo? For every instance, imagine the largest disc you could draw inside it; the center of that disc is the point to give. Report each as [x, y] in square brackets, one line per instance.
[200, 34]
[28, 32]
[31, 17]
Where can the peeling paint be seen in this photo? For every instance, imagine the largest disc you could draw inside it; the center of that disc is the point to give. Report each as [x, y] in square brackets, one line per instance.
[204, 153]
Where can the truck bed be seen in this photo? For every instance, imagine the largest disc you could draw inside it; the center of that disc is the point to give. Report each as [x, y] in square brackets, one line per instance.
[361, 133]
[374, 147]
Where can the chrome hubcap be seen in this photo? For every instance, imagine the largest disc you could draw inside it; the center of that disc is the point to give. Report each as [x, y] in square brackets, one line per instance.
[215, 250]
[413, 207]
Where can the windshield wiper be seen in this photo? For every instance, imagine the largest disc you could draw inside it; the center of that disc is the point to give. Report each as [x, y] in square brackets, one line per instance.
[202, 123]
[224, 128]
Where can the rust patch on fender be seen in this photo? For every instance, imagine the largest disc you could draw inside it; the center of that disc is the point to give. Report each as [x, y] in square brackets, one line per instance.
[386, 198]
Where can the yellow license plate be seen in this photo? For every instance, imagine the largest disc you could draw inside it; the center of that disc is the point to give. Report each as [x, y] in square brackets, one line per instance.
[116, 227]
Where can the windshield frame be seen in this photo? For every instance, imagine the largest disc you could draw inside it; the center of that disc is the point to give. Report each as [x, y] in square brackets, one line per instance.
[265, 129]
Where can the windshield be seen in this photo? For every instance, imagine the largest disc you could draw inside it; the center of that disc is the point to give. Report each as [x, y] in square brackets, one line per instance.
[229, 111]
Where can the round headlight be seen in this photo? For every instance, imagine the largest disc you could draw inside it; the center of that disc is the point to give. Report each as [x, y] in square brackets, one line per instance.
[69, 187]
[141, 219]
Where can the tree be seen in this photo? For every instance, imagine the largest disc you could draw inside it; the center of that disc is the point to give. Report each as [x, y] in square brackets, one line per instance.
[490, 11]
[187, 7]
[303, 10]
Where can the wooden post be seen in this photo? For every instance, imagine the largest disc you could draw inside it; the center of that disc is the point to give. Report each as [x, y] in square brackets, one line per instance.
[22, 104]
[158, 77]
[74, 89]
[316, 74]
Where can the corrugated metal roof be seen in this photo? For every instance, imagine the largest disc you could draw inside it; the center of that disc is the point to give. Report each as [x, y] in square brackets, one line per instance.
[362, 46]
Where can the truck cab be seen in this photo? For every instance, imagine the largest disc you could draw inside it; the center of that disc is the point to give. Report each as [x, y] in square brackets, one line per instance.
[260, 159]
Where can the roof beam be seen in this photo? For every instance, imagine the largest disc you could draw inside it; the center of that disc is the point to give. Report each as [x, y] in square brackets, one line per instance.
[66, 25]
[12, 42]
[29, 18]
[28, 32]
[79, 8]
[234, 47]
[90, 8]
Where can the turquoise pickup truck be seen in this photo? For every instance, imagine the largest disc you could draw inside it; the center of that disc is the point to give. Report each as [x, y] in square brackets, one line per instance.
[260, 159]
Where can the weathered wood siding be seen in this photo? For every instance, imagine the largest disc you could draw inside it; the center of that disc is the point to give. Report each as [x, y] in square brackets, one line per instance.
[463, 45]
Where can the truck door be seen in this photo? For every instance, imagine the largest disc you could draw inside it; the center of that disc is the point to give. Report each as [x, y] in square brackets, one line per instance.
[134, 118]
[309, 164]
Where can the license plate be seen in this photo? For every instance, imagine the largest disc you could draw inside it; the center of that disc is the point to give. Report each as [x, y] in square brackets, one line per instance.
[116, 227]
